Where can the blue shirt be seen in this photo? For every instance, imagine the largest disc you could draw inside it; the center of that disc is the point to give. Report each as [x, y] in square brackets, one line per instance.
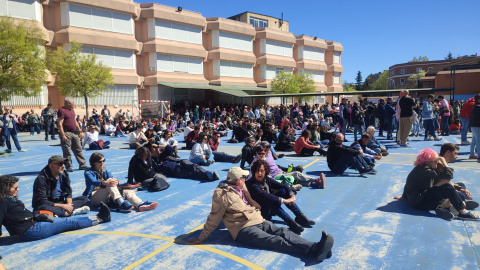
[57, 192]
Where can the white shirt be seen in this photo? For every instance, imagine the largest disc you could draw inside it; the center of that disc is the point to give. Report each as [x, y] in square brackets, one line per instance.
[135, 135]
[109, 128]
[186, 131]
[90, 138]
[170, 141]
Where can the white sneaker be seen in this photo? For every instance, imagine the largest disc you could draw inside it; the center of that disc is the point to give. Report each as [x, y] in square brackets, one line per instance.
[80, 211]
[22, 150]
[465, 142]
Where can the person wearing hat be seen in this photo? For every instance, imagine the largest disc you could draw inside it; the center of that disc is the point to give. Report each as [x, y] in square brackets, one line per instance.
[232, 204]
[52, 191]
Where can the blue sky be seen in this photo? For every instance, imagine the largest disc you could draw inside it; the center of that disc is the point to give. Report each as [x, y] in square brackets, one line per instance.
[374, 34]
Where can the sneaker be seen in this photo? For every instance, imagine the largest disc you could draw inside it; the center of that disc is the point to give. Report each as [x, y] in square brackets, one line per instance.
[22, 150]
[299, 168]
[126, 207]
[69, 169]
[444, 214]
[280, 155]
[147, 206]
[324, 247]
[81, 211]
[465, 142]
[470, 205]
[468, 216]
[438, 138]
[104, 213]
[237, 158]
[427, 139]
[46, 139]
[372, 171]
[83, 168]
[321, 181]
[473, 157]
[404, 145]
[296, 187]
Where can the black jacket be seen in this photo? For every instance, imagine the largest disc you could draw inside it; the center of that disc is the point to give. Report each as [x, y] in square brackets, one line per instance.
[269, 136]
[140, 170]
[475, 117]
[248, 155]
[14, 216]
[261, 192]
[44, 186]
[335, 151]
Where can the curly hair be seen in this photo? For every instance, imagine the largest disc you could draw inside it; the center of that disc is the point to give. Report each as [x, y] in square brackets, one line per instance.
[141, 151]
[425, 156]
[255, 167]
[6, 182]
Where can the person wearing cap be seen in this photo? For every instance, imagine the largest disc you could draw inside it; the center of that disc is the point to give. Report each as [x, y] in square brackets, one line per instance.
[52, 191]
[48, 115]
[232, 204]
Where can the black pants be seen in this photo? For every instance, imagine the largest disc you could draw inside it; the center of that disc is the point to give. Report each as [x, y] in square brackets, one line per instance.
[308, 152]
[284, 147]
[58, 211]
[433, 196]
[381, 125]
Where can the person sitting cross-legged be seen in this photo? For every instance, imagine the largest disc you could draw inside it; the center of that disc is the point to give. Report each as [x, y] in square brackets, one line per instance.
[341, 157]
[232, 204]
[261, 186]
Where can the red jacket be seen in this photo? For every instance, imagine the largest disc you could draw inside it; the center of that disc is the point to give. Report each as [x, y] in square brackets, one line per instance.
[467, 108]
[300, 144]
[213, 144]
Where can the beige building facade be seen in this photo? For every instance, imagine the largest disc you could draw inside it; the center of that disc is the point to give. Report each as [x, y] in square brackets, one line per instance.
[159, 52]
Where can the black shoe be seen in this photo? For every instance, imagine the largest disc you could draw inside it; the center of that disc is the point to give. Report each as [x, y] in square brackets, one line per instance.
[468, 216]
[104, 213]
[294, 226]
[83, 168]
[280, 155]
[304, 221]
[299, 168]
[237, 158]
[389, 138]
[345, 140]
[323, 153]
[324, 247]
[444, 214]
[470, 205]
[46, 139]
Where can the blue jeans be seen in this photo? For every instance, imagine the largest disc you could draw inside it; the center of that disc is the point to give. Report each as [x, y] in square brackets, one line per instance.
[359, 128]
[416, 128]
[198, 160]
[429, 128]
[475, 141]
[13, 133]
[33, 128]
[222, 157]
[118, 133]
[94, 145]
[465, 126]
[445, 131]
[389, 124]
[49, 129]
[279, 211]
[43, 230]
[349, 160]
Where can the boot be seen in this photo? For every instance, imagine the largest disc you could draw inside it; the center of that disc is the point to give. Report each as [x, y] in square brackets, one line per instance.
[304, 221]
[294, 226]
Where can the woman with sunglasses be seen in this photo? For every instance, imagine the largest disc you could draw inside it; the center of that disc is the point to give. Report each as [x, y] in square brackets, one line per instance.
[91, 140]
[101, 185]
[201, 152]
[19, 221]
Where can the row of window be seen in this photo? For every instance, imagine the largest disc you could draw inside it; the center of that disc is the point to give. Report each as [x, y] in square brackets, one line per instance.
[175, 63]
[114, 58]
[174, 31]
[402, 71]
[232, 69]
[221, 39]
[21, 9]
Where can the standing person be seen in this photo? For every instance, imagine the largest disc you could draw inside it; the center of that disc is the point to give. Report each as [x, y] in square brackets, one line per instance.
[444, 111]
[106, 113]
[475, 126]
[48, 115]
[406, 112]
[465, 114]
[380, 112]
[389, 117]
[71, 134]
[33, 121]
[10, 129]
[96, 117]
[428, 118]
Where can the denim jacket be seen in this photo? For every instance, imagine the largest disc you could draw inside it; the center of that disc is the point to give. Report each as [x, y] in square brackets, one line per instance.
[91, 180]
[427, 110]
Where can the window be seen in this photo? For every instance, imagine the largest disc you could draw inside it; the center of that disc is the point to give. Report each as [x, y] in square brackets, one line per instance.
[402, 71]
[419, 69]
[257, 22]
[336, 57]
[392, 72]
[114, 58]
[118, 95]
[317, 76]
[232, 69]
[277, 48]
[175, 63]
[232, 41]
[311, 53]
[174, 31]
[402, 81]
[269, 72]
[22, 9]
[336, 77]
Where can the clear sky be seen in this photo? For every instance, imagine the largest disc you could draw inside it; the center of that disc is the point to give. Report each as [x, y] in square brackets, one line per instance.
[375, 34]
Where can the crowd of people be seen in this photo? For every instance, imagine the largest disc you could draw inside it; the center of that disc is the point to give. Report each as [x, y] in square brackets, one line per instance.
[258, 187]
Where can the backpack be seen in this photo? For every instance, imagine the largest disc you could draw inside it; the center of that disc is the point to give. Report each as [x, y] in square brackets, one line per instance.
[158, 184]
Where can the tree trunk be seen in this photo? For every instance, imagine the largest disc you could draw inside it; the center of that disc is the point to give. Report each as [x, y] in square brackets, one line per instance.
[86, 105]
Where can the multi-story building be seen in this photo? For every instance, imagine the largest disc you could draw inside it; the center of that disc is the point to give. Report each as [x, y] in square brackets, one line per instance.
[399, 73]
[167, 53]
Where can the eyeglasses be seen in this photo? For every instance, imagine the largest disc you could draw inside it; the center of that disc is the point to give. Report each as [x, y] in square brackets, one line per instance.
[101, 161]
[261, 154]
[59, 163]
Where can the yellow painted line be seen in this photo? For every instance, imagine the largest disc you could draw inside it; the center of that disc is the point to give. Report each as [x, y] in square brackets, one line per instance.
[311, 163]
[172, 242]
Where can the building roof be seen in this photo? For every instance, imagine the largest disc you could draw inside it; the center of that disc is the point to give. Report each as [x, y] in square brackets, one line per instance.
[474, 60]
[231, 17]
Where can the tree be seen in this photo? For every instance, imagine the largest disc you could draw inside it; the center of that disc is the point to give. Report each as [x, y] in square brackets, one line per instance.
[419, 59]
[412, 81]
[284, 83]
[382, 82]
[449, 56]
[78, 74]
[348, 88]
[22, 65]
[305, 84]
[358, 80]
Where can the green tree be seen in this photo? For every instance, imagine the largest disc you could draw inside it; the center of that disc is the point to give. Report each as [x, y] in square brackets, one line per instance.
[412, 81]
[449, 56]
[78, 74]
[284, 83]
[358, 80]
[305, 84]
[348, 88]
[419, 59]
[22, 65]
[382, 82]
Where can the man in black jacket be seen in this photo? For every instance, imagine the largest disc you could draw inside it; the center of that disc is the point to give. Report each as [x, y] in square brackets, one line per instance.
[52, 191]
[341, 157]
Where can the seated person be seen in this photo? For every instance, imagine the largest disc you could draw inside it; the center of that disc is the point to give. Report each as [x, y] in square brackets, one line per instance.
[17, 219]
[167, 139]
[109, 129]
[221, 156]
[240, 131]
[426, 187]
[166, 163]
[171, 126]
[192, 137]
[455, 127]
[52, 191]
[316, 138]
[201, 152]
[101, 185]
[137, 138]
[269, 134]
[187, 130]
[374, 144]
[261, 187]
[303, 146]
[341, 157]
[121, 129]
[248, 152]
[141, 169]
[151, 136]
[91, 139]
[285, 142]
[368, 154]
[325, 135]
[232, 204]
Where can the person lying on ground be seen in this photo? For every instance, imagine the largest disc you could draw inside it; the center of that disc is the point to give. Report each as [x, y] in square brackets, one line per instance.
[232, 204]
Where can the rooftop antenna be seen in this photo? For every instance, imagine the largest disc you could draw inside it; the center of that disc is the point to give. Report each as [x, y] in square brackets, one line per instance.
[281, 22]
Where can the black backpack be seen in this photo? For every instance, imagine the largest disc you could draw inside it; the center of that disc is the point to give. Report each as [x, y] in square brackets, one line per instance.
[158, 184]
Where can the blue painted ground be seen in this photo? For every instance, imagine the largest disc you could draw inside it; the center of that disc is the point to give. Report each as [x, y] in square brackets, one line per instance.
[371, 230]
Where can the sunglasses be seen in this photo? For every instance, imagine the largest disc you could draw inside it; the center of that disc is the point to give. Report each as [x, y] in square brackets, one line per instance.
[59, 163]
[101, 161]
[261, 154]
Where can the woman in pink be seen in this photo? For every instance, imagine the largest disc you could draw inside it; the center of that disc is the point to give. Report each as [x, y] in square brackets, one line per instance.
[303, 146]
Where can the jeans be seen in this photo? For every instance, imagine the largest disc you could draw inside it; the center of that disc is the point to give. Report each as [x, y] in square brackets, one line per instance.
[269, 212]
[445, 130]
[34, 127]
[349, 160]
[198, 160]
[416, 128]
[223, 157]
[465, 126]
[429, 128]
[389, 124]
[41, 230]
[381, 125]
[49, 129]
[95, 146]
[475, 141]
[359, 128]
[268, 236]
[13, 133]
[118, 133]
